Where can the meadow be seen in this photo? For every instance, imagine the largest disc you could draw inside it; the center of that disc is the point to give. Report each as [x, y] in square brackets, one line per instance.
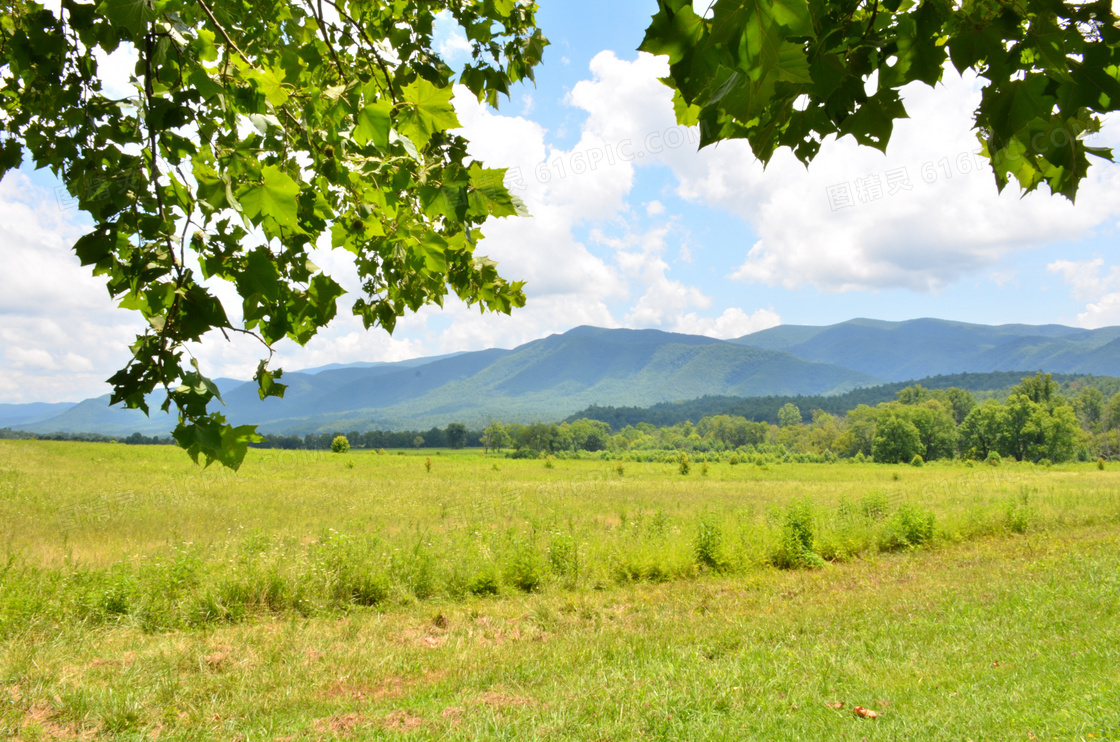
[455, 595]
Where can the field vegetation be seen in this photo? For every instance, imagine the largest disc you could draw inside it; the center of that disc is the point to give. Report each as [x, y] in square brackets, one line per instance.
[450, 595]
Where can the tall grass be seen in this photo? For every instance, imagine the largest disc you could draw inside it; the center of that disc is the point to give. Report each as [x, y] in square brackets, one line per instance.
[102, 534]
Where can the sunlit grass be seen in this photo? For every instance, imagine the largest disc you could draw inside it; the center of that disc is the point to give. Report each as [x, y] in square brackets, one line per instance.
[314, 596]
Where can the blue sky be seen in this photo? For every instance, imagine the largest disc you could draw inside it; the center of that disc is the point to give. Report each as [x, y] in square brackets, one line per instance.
[655, 235]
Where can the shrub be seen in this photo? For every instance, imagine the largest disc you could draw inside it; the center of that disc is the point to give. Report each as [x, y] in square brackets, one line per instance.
[708, 544]
[684, 467]
[874, 506]
[340, 444]
[563, 555]
[1019, 513]
[428, 464]
[485, 582]
[993, 459]
[795, 544]
[704, 469]
[350, 568]
[911, 526]
[917, 460]
[734, 460]
[524, 568]
[1100, 463]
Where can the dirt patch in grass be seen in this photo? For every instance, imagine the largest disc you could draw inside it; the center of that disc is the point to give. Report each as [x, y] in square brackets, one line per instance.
[341, 725]
[402, 721]
[41, 719]
[499, 698]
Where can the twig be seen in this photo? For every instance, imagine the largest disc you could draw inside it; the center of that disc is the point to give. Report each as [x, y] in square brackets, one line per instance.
[372, 46]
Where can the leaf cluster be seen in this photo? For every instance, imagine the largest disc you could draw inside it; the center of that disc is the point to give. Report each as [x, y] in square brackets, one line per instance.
[790, 73]
[255, 131]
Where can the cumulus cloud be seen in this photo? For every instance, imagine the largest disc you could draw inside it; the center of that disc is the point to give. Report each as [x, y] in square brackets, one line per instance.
[1099, 288]
[922, 216]
[61, 335]
[449, 39]
[733, 323]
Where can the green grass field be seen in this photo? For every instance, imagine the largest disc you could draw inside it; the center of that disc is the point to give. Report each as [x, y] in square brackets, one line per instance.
[364, 596]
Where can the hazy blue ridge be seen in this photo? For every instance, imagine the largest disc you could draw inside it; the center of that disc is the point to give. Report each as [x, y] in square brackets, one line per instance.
[897, 351]
[560, 375]
[15, 415]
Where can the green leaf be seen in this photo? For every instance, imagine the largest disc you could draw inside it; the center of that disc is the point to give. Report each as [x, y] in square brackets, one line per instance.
[262, 121]
[372, 124]
[275, 198]
[673, 35]
[260, 277]
[268, 384]
[488, 195]
[429, 110]
[873, 123]
[133, 15]
[270, 82]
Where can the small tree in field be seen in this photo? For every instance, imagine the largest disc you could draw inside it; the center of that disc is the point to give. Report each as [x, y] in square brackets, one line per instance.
[340, 444]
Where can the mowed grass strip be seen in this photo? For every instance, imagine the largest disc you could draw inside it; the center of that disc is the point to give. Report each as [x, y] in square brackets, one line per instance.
[994, 639]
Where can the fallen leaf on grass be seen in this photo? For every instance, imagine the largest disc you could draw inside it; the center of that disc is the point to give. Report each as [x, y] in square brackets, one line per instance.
[865, 713]
[835, 705]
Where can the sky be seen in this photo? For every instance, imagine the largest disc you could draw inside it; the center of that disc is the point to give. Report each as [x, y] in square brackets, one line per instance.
[631, 226]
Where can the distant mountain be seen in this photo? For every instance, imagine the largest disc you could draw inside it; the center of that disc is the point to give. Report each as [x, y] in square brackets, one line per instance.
[551, 378]
[897, 351]
[545, 379]
[17, 415]
[376, 364]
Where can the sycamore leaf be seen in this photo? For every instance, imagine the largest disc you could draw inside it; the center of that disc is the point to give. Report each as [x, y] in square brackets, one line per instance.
[488, 193]
[372, 124]
[270, 82]
[675, 36]
[131, 14]
[429, 111]
[275, 197]
[262, 121]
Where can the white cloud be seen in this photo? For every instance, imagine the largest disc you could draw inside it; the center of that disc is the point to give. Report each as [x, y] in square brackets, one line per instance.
[921, 217]
[1099, 289]
[655, 208]
[34, 358]
[733, 323]
[449, 39]
[61, 335]
[1086, 278]
[117, 69]
[528, 103]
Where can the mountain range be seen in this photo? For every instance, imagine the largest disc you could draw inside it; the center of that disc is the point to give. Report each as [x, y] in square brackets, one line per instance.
[551, 378]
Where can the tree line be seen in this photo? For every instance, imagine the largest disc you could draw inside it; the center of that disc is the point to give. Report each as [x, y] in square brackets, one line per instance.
[1036, 422]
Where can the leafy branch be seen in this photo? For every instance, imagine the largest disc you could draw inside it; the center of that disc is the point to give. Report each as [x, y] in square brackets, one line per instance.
[369, 163]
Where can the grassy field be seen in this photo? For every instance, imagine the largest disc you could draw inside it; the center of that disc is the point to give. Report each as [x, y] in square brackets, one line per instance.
[366, 596]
